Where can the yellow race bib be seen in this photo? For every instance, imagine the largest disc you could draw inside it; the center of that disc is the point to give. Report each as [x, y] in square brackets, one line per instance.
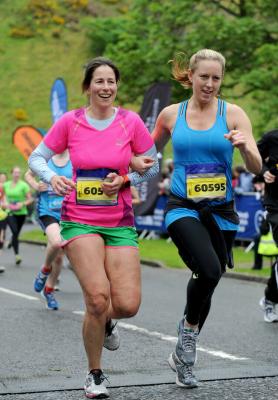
[206, 187]
[89, 192]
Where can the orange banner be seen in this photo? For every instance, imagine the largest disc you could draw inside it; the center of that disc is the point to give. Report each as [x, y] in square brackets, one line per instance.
[26, 138]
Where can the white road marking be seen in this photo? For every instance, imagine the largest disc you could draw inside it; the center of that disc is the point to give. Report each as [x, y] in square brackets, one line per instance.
[173, 339]
[18, 294]
[130, 327]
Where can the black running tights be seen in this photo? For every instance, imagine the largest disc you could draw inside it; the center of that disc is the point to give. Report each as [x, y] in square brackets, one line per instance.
[195, 248]
[15, 223]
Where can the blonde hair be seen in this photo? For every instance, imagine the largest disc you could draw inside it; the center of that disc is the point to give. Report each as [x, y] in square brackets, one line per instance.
[181, 66]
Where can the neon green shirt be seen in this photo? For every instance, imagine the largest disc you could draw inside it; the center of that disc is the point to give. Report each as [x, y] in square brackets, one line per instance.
[17, 194]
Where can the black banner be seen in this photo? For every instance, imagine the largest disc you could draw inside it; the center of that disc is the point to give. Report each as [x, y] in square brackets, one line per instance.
[156, 98]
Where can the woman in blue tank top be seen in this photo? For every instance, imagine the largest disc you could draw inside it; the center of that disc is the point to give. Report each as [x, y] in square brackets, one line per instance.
[48, 213]
[200, 215]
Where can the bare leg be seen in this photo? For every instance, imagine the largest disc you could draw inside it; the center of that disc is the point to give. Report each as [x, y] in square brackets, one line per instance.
[86, 255]
[57, 265]
[53, 244]
[123, 270]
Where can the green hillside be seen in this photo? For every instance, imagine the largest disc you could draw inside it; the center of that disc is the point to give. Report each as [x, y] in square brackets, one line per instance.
[41, 40]
[29, 66]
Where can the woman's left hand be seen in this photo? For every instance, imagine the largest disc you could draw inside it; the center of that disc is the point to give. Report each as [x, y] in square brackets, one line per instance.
[112, 184]
[237, 138]
[141, 164]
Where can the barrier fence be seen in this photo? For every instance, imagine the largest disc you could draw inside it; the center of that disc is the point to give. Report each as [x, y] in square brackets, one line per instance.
[248, 205]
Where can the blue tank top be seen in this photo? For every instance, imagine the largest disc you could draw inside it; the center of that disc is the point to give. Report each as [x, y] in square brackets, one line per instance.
[49, 203]
[202, 165]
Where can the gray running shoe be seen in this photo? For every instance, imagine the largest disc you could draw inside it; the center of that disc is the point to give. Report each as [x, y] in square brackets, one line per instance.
[186, 345]
[185, 377]
[112, 337]
[94, 385]
[268, 307]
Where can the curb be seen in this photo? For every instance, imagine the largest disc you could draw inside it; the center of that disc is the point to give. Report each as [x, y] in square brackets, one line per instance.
[159, 264]
[38, 243]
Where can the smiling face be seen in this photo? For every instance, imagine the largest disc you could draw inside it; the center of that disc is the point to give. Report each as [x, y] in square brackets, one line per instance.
[206, 80]
[103, 87]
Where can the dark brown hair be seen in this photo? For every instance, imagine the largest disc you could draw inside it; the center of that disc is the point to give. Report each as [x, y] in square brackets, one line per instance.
[92, 65]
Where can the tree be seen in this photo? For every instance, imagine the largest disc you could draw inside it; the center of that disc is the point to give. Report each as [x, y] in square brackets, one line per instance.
[244, 31]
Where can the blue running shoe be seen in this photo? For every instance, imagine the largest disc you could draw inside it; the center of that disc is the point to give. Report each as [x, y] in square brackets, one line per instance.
[40, 282]
[51, 302]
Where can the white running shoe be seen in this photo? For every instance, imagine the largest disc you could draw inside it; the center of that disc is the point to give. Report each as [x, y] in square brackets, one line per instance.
[268, 307]
[94, 385]
[112, 337]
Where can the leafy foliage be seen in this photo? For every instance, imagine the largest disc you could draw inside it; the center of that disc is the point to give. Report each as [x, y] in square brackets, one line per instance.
[245, 31]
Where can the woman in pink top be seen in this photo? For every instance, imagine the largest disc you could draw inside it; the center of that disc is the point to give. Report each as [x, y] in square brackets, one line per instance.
[97, 221]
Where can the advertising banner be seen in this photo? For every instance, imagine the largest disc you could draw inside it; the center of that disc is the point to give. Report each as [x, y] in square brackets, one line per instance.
[58, 99]
[26, 138]
[154, 222]
[156, 98]
[250, 211]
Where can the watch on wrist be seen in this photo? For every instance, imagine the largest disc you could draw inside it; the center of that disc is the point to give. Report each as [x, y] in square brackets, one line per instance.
[126, 181]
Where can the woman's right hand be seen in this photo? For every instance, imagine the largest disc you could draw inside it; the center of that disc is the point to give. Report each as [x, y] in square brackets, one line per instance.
[62, 185]
[141, 164]
[269, 177]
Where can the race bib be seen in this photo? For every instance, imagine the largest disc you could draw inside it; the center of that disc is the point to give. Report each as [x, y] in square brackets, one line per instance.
[89, 191]
[206, 182]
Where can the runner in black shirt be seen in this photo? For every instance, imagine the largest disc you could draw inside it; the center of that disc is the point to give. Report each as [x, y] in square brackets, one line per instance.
[268, 148]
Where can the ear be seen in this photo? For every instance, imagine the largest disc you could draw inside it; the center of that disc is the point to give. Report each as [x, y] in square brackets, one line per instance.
[190, 75]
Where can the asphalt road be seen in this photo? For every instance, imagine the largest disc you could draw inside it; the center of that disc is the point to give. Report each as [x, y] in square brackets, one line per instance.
[42, 356]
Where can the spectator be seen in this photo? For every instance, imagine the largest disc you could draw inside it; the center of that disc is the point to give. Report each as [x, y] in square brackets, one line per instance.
[244, 181]
[3, 215]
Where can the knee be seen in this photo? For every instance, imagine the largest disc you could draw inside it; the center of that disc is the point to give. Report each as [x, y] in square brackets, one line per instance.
[97, 304]
[211, 277]
[55, 245]
[127, 309]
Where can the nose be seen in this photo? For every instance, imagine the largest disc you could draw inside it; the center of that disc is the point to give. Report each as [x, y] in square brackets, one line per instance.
[209, 82]
[105, 85]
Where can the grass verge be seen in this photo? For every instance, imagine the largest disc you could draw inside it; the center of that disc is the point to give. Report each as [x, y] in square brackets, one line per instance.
[165, 252]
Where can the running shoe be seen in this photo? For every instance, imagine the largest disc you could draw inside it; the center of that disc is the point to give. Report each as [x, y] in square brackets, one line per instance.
[185, 377]
[268, 307]
[18, 259]
[94, 385]
[112, 337]
[39, 282]
[2, 269]
[51, 302]
[186, 345]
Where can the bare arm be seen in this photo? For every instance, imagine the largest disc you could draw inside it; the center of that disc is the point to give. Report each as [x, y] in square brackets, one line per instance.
[161, 135]
[241, 136]
[39, 186]
[164, 126]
